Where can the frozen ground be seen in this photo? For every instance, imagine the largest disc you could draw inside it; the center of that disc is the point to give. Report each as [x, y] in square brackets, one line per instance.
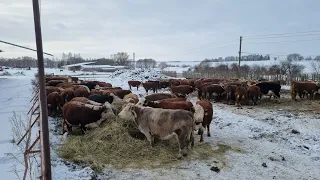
[268, 141]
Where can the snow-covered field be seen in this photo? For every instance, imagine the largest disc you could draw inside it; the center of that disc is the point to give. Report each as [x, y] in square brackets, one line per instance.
[263, 145]
[266, 63]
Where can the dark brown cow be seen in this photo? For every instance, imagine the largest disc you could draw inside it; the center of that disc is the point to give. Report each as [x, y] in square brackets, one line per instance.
[121, 93]
[162, 123]
[207, 118]
[172, 100]
[75, 113]
[185, 105]
[207, 91]
[54, 101]
[150, 86]
[181, 90]
[254, 93]
[66, 85]
[303, 87]
[156, 97]
[200, 86]
[103, 84]
[86, 101]
[134, 84]
[54, 82]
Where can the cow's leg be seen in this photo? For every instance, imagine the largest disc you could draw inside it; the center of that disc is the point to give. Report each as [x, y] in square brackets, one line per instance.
[130, 86]
[200, 132]
[183, 141]
[208, 130]
[192, 138]
[83, 129]
[179, 144]
[137, 88]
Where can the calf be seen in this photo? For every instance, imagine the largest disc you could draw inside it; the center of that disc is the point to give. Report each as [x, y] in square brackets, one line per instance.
[100, 98]
[170, 105]
[253, 93]
[207, 118]
[134, 84]
[77, 113]
[181, 90]
[241, 94]
[162, 123]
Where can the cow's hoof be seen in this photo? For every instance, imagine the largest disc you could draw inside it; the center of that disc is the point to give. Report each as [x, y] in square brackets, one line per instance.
[209, 135]
[201, 140]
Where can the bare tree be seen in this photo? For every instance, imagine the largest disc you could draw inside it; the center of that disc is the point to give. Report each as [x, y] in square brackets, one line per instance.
[315, 66]
[294, 57]
[162, 65]
[121, 58]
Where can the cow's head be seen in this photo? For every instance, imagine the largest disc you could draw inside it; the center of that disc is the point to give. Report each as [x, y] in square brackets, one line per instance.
[128, 112]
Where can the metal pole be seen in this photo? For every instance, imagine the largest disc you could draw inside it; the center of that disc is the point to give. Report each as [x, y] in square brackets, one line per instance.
[240, 50]
[44, 130]
[239, 56]
[134, 62]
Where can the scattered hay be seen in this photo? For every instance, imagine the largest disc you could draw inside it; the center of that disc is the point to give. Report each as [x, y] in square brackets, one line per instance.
[112, 146]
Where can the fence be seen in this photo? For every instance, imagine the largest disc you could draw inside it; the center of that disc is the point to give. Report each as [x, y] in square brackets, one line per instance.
[278, 77]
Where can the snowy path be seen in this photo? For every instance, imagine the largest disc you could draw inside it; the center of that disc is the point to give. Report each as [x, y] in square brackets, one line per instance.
[15, 97]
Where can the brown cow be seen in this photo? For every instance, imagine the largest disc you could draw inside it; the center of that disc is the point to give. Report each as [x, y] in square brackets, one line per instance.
[150, 86]
[241, 93]
[185, 105]
[207, 118]
[66, 85]
[156, 97]
[231, 91]
[103, 84]
[96, 91]
[254, 93]
[162, 123]
[81, 91]
[121, 93]
[50, 89]
[172, 100]
[134, 84]
[54, 101]
[208, 91]
[303, 87]
[76, 113]
[132, 98]
[181, 90]
[86, 101]
[67, 94]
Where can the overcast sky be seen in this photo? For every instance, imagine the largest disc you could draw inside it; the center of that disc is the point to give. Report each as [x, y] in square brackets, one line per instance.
[165, 30]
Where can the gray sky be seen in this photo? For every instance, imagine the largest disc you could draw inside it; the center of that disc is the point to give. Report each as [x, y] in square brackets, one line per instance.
[165, 30]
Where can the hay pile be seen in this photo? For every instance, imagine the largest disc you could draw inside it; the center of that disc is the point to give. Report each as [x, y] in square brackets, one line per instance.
[112, 146]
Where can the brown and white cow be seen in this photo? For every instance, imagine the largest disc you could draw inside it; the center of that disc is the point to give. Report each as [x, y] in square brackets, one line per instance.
[162, 123]
[207, 118]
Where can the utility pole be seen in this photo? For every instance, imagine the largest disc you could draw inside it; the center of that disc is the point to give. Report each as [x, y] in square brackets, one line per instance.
[239, 56]
[44, 129]
[240, 50]
[134, 62]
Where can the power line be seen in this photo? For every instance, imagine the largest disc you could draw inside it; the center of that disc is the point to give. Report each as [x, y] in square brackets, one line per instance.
[283, 36]
[278, 34]
[302, 40]
[262, 54]
[23, 47]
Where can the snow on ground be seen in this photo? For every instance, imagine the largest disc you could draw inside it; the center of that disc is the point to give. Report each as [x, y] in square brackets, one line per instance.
[177, 69]
[15, 97]
[267, 63]
[262, 141]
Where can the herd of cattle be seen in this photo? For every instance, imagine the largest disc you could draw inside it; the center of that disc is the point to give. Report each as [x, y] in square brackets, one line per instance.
[88, 103]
